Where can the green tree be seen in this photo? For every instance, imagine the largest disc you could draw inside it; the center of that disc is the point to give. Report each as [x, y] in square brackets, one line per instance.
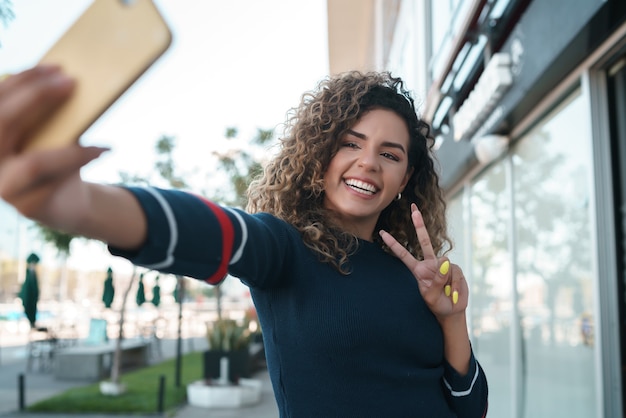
[62, 242]
[167, 171]
[165, 163]
[117, 354]
[164, 166]
[6, 12]
[241, 166]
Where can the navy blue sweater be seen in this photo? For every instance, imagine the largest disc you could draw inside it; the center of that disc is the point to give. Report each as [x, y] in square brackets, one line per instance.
[358, 345]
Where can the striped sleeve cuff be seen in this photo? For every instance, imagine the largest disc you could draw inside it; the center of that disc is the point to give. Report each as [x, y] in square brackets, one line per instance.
[461, 385]
[187, 235]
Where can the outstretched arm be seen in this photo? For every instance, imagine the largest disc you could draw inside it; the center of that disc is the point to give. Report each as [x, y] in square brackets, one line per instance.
[45, 185]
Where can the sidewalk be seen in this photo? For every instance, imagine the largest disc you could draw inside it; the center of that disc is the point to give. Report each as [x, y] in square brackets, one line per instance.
[40, 385]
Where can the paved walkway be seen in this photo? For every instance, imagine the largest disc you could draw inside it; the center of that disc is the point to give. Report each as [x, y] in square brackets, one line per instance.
[40, 385]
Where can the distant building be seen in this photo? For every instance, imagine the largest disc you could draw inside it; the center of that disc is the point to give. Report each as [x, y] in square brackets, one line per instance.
[13, 252]
[527, 99]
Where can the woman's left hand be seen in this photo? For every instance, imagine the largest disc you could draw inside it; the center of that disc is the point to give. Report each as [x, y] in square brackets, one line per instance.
[441, 283]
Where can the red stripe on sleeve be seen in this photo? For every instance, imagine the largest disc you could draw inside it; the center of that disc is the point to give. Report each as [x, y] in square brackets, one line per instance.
[228, 238]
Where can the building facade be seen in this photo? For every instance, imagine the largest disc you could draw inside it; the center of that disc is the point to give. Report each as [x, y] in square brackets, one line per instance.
[527, 101]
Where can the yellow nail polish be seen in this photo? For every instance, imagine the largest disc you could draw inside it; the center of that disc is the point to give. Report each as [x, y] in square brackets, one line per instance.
[455, 297]
[447, 290]
[443, 269]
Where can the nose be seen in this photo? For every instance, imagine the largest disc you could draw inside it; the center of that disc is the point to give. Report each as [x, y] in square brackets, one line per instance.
[368, 160]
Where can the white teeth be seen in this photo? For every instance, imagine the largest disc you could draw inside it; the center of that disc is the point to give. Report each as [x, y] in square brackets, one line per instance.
[361, 186]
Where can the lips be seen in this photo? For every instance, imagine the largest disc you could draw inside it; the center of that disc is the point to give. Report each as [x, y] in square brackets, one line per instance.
[361, 186]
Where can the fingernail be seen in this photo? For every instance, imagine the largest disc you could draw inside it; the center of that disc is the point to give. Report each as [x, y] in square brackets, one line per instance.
[447, 290]
[444, 268]
[102, 149]
[455, 297]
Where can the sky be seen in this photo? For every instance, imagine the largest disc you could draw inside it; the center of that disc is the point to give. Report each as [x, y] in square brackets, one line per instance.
[241, 63]
[237, 63]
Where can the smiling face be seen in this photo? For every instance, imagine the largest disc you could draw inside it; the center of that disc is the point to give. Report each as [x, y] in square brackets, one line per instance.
[368, 171]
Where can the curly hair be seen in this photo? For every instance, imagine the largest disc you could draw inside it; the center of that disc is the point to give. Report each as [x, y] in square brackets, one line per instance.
[292, 184]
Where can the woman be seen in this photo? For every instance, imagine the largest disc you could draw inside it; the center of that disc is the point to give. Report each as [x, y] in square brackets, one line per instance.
[361, 315]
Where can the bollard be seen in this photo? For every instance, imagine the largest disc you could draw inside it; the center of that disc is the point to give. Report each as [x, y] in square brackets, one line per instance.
[161, 396]
[20, 389]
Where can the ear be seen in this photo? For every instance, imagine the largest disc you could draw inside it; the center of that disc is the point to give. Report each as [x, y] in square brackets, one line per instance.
[406, 178]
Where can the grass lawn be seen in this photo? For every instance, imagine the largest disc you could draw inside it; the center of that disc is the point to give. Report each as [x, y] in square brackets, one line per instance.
[141, 396]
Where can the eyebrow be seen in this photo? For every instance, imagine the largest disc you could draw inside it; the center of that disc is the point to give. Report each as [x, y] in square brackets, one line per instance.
[385, 144]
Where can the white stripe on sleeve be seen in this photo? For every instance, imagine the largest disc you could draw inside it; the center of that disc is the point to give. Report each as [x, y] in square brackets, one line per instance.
[465, 392]
[244, 237]
[171, 221]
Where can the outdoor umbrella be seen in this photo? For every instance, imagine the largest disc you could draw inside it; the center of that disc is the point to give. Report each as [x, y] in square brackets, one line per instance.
[177, 292]
[156, 292]
[141, 293]
[109, 290]
[30, 290]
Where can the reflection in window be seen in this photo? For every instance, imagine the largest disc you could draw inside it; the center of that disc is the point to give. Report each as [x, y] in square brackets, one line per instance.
[446, 18]
[498, 8]
[491, 287]
[554, 263]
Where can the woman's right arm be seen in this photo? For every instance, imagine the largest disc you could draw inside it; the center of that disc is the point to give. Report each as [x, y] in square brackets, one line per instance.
[163, 230]
[192, 236]
[45, 185]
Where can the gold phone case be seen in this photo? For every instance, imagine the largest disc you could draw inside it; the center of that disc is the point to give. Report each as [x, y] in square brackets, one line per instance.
[106, 50]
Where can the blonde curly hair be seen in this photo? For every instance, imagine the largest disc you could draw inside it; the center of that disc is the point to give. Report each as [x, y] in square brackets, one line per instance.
[292, 184]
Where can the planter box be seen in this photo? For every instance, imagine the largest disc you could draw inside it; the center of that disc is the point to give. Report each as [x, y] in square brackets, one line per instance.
[93, 362]
[247, 392]
[238, 364]
[109, 388]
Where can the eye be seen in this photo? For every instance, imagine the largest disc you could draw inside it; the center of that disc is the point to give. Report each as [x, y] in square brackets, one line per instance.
[390, 156]
[350, 145]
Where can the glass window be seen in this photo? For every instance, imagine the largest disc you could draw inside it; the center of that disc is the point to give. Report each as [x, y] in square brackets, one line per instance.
[440, 11]
[552, 195]
[457, 231]
[402, 59]
[446, 18]
[617, 105]
[491, 285]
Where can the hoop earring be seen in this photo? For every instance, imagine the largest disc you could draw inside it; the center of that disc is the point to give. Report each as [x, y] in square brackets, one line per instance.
[399, 196]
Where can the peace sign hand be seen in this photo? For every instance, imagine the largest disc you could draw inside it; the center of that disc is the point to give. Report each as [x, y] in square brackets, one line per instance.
[442, 284]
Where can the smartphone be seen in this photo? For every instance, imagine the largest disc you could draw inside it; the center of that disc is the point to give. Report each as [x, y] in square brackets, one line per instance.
[106, 50]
